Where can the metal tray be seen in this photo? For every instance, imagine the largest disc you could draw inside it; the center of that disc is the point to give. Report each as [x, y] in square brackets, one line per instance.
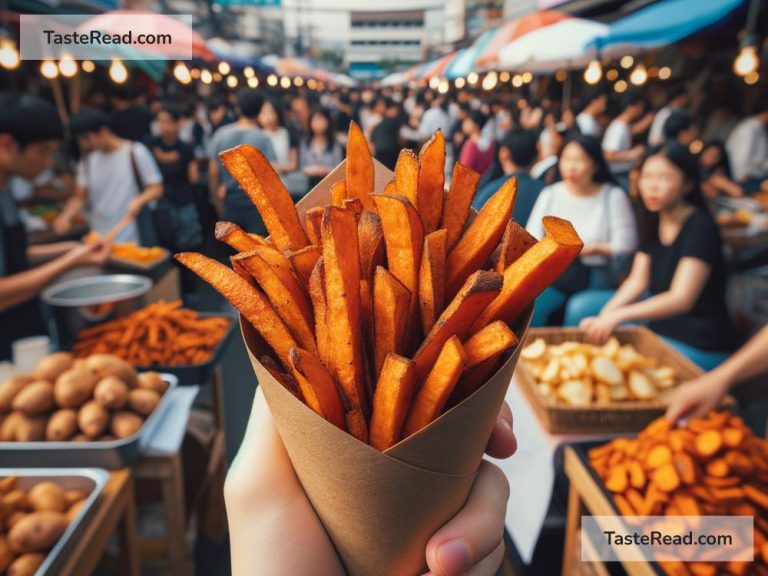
[197, 374]
[89, 480]
[112, 454]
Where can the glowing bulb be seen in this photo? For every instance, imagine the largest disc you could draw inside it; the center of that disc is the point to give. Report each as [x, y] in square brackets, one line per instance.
[612, 74]
[272, 80]
[490, 81]
[460, 83]
[67, 66]
[217, 77]
[253, 82]
[593, 73]
[249, 72]
[232, 81]
[626, 62]
[639, 75]
[298, 81]
[696, 146]
[312, 84]
[285, 82]
[444, 86]
[472, 78]
[118, 72]
[206, 77]
[665, 72]
[561, 75]
[517, 80]
[9, 55]
[620, 86]
[747, 61]
[752, 78]
[504, 77]
[224, 68]
[434, 82]
[527, 77]
[195, 73]
[88, 66]
[181, 73]
[49, 69]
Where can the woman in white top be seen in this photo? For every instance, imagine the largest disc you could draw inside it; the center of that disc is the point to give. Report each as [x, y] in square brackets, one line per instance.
[600, 212]
[272, 122]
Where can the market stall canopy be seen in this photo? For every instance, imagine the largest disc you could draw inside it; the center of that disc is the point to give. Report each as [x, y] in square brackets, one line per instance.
[560, 45]
[662, 23]
[513, 30]
[466, 60]
[438, 66]
[115, 23]
[395, 79]
[223, 50]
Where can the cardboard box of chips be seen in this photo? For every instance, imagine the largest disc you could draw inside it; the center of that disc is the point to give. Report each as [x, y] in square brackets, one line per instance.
[577, 388]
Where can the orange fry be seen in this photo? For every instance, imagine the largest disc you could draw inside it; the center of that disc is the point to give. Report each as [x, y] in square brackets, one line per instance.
[391, 303]
[303, 261]
[458, 201]
[432, 279]
[407, 175]
[359, 166]
[231, 234]
[317, 386]
[514, 243]
[338, 193]
[429, 197]
[391, 402]
[312, 220]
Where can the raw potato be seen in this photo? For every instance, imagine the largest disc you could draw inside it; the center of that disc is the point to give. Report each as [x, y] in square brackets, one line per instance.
[152, 381]
[102, 365]
[92, 419]
[28, 429]
[111, 393]
[6, 555]
[9, 425]
[36, 532]
[143, 401]
[35, 398]
[74, 509]
[26, 565]
[125, 424]
[17, 500]
[53, 366]
[74, 496]
[10, 388]
[62, 425]
[74, 387]
[47, 496]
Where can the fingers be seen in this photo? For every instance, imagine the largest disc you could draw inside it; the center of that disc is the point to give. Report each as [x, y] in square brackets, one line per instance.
[476, 531]
[503, 442]
[489, 565]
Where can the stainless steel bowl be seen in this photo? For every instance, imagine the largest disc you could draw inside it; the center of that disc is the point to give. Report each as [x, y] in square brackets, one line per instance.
[83, 302]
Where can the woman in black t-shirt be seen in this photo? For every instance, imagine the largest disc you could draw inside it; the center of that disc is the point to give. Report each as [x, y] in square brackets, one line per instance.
[679, 265]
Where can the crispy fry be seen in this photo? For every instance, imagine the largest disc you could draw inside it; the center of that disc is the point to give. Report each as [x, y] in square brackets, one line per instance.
[317, 386]
[478, 291]
[263, 186]
[432, 279]
[359, 167]
[407, 175]
[481, 238]
[489, 342]
[318, 297]
[458, 201]
[338, 193]
[287, 380]
[247, 299]
[313, 218]
[515, 242]
[429, 196]
[404, 241]
[391, 304]
[231, 234]
[370, 235]
[354, 205]
[342, 284]
[525, 278]
[438, 387]
[274, 275]
[303, 261]
[390, 189]
[391, 402]
[472, 379]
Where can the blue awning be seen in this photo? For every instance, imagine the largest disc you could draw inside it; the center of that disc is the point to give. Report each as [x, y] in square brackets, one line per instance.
[665, 22]
[464, 63]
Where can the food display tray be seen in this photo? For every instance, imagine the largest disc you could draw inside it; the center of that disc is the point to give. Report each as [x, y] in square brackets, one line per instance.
[110, 454]
[89, 480]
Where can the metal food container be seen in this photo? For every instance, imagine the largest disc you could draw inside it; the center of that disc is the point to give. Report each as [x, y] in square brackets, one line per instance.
[84, 302]
[89, 480]
[112, 454]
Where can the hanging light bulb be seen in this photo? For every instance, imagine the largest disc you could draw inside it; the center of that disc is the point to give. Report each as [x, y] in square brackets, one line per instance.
[67, 66]
[224, 68]
[490, 81]
[249, 72]
[434, 82]
[298, 81]
[206, 77]
[195, 73]
[49, 69]
[626, 62]
[472, 78]
[444, 86]
[312, 84]
[460, 83]
[665, 72]
[752, 78]
[88, 66]
[504, 77]
[620, 86]
[272, 80]
[593, 73]
[253, 82]
[9, 55]
[527, 77]
[182, 73]
[639, 75]
[747, 60]
[232, 81]
[517, 80]
[118, 72]
[612, 74]
[285, 82]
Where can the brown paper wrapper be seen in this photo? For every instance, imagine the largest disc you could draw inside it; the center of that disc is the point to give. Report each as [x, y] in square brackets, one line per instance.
[380, 509]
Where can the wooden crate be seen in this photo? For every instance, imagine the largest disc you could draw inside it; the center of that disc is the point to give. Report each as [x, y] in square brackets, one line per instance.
[628, 416]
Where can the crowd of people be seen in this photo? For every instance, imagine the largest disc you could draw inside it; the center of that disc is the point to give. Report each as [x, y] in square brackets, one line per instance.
[633, 172]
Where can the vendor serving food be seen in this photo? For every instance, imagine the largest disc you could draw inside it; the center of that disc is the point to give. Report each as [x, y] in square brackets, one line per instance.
[29, 133]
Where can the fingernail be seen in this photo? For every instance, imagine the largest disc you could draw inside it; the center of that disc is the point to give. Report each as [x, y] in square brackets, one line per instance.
[454, 557]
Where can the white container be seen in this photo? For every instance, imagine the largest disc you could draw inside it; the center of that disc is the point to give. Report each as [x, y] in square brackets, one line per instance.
[27, 352]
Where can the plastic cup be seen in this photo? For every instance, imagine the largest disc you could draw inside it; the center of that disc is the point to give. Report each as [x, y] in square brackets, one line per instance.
[27, 352]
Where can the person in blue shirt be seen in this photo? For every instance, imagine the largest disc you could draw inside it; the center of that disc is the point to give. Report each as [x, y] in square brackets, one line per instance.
[516, 154]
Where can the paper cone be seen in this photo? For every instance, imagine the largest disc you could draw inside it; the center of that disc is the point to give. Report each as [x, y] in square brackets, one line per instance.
[380, 509]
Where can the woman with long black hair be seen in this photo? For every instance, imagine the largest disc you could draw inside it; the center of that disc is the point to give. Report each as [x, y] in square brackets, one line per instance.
[320, 152]
[679, 265]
